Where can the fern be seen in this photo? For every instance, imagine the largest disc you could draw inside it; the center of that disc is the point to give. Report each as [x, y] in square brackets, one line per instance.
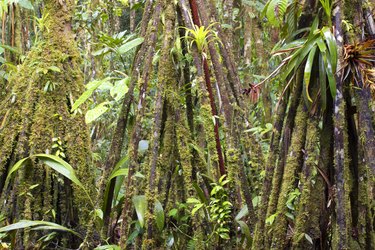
[275, 11]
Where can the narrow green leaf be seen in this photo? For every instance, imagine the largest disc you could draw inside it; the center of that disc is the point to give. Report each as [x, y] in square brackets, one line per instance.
[323, 82]
[327, 63]
[299, 55]
[15, 168]
[307, 72]
[200, 193]
[332, 47]
[314, 27]
[309, 239]
[118, 172]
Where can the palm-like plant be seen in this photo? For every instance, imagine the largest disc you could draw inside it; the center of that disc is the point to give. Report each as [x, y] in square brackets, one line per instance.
[319, 43]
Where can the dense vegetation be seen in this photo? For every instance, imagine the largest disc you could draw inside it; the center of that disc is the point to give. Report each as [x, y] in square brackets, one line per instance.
[187, 124]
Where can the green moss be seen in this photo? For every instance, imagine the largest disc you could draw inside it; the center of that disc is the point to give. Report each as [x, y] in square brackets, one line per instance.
[207, 124]
[293, 163]
[36, 116]
[311, 199]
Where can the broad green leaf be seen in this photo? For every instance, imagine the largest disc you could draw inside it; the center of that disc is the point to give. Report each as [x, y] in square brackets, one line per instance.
[245, 230]
[91, 87]
[275, 11]
[120, 89]
[60, 166]
[159, 215]
[122, 172]
[55, 163]
[307, 72]
[242, 213]
[130, 45]
[96, 112]
[25, 4]
[106, 86]
[140, 204]
[39, 225]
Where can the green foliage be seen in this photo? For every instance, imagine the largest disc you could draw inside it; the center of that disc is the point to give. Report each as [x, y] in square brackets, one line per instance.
[26, 4]
[140, 205]
[292, 201]
[159, 215]
[201, 37]
[52, 161]
[129, 45]
[327, 7]
[96, 112]
[36, 225]
[58, 146]
[117, 91]
[91, 87]
[108, 247]
[271, 219]
[218, 209]
[275, 10]
[319, 43]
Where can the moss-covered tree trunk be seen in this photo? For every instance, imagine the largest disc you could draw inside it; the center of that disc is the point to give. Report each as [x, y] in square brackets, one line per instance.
[323, 180]
[36, 119]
